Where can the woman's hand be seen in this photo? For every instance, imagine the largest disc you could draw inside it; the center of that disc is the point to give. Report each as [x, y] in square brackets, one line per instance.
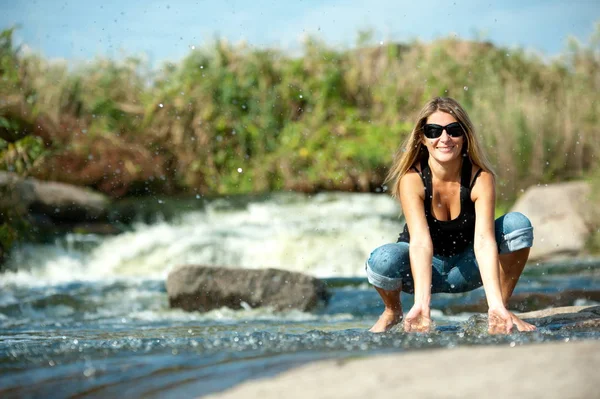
[418, 319]
[500, 320]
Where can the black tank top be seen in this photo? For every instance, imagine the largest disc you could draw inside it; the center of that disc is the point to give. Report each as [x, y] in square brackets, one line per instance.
[449, 237]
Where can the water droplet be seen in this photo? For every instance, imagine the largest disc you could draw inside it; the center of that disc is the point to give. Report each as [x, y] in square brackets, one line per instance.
[88, 372]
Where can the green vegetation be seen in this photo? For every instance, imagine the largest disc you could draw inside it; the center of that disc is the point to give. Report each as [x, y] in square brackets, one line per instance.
[593, 241]
[234, 119]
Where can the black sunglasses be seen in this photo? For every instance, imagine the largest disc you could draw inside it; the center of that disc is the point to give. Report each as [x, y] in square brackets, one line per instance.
[433, 131]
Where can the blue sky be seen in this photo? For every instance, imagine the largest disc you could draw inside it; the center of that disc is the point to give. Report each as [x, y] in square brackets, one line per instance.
[78, 30]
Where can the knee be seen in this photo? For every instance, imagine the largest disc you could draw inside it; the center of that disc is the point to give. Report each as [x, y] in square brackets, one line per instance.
[514, 221]
[389, 260]
[513, 232]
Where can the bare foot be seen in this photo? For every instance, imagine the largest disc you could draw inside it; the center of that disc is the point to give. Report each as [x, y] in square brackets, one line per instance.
[387, 320]
[522, 325]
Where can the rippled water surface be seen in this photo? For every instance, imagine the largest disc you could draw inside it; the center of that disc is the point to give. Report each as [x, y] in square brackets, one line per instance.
[88, 316]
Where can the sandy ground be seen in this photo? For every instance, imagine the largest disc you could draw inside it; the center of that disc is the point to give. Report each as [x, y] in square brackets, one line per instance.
[548, 370]
[553, 370]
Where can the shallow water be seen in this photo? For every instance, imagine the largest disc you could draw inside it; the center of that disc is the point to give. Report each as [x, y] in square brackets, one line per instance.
[88, 316]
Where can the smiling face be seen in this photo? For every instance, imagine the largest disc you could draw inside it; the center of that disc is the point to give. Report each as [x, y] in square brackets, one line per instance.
[445, 148]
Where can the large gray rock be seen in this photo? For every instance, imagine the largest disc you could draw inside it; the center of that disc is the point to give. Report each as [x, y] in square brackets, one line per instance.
[15, 193]
[531, 301]
[204, 288]
[572, 317]
[561, 218]
[58, 201]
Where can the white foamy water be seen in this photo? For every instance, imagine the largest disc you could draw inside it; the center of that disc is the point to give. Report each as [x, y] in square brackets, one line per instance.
[324, 235]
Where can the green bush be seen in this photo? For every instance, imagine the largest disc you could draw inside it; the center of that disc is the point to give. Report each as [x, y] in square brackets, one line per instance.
[329, 119]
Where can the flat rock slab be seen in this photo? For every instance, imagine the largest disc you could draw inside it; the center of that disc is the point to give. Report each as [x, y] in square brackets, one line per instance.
[203, 288]
[545, 371]
[531, 301]
[571, 316]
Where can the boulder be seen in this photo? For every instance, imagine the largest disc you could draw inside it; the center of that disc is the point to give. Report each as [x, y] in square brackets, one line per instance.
[570, 317]
[15, 194]
[531, 301]
[561, 218]
[59, 202]
[201, 288]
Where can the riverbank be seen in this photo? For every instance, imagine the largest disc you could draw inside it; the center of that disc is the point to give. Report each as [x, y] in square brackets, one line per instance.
[534, 370]
[550, 370]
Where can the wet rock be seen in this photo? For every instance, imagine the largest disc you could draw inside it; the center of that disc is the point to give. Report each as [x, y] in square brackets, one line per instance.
[57, 201]
[526, 302]
[33, 210]
[584, 325]
[68, 203]
[571, 317]
[561, 218]
[200, 288]
[530, 301]
[15, 193]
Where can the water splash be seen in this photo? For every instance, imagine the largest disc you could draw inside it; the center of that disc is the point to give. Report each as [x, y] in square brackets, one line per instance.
[324, 235]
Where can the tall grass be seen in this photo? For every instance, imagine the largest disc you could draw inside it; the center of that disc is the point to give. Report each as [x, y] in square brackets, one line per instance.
[234, 119]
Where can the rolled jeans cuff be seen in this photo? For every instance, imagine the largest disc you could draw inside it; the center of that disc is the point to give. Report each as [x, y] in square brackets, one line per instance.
[515, 240]
[379, 281]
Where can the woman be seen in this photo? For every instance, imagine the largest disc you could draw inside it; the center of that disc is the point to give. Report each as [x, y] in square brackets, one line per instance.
[450, 242]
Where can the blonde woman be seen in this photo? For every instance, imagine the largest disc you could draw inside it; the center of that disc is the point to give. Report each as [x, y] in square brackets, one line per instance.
[451, 242]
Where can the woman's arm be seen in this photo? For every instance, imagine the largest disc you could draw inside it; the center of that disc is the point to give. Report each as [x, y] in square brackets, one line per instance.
[486, 252]
[412, 197]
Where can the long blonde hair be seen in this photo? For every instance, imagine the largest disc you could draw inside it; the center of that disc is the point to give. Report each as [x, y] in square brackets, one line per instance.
[413, 150]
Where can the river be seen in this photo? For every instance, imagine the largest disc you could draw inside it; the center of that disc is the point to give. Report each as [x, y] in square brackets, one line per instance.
[88, 316]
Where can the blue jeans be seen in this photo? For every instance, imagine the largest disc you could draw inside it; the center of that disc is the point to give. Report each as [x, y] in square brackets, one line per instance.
[388, 266]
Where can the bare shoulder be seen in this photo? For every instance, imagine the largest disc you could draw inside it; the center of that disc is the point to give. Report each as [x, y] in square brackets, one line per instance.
[485, 185]
[411, 184]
